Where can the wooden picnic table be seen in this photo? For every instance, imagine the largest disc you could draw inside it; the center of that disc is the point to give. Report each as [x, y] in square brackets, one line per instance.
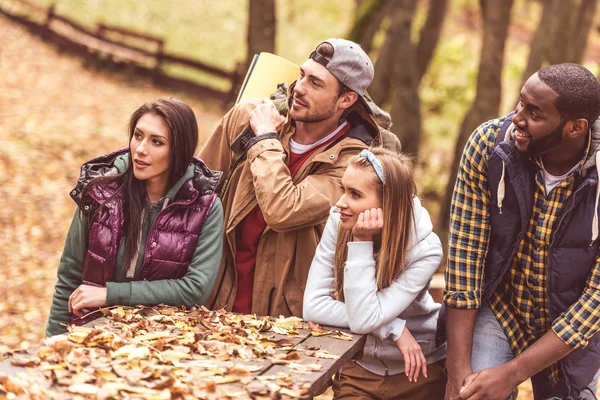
[303, 345]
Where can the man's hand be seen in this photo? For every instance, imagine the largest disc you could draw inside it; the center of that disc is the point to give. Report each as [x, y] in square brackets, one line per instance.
[265, 118]
[414, 360]
[86, 296]
[489, 384]
[368, 224]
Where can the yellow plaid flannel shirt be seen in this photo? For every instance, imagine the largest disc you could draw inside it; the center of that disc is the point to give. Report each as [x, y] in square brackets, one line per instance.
[520, 302]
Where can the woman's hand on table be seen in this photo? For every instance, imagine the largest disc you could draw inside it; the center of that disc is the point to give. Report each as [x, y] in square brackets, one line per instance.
[86, 296]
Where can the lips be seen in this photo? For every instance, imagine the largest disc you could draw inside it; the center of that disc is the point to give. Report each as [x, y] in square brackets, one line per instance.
[344, 216]
[140, 163]
[299, 103]
[520, 136]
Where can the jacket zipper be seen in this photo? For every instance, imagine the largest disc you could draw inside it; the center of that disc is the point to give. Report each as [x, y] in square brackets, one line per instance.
[562, 218]
[375, 354]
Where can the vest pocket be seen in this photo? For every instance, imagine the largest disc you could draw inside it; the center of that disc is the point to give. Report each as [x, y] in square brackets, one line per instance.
[93, 268]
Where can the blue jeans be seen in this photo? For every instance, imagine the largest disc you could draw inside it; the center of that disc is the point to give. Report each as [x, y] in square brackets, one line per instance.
[491, 349]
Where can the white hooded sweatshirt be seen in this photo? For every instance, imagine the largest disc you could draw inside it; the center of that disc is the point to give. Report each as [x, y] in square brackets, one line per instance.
[367, 310]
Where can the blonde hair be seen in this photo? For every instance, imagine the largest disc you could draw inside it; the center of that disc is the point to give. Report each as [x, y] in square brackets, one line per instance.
[396, 197]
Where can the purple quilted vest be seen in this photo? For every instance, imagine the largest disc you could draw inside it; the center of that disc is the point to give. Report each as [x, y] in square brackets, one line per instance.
[172, 239]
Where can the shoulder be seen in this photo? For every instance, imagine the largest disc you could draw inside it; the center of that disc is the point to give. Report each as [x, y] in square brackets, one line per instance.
[110, 164]
[485, 134]
[480, 144]
[423, 227]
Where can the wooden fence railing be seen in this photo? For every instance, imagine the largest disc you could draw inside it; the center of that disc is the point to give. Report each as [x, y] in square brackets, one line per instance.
[113, 46]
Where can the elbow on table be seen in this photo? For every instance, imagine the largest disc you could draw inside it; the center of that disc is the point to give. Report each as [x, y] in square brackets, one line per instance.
[308, 312]
[361, 326]
[312, 311]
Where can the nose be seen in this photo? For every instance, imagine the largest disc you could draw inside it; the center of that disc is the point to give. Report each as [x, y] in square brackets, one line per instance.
[518, 117]
[341, 203]
[299, 88]
[141, 148]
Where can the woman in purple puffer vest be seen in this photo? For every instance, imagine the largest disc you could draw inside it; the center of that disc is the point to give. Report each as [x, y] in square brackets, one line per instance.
[148, 225]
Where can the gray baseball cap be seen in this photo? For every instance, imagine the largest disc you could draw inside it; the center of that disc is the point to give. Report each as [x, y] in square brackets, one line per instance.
[349, 64]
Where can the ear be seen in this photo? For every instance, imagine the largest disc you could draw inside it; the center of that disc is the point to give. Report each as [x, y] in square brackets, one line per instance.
[578, 128]
[347, 99]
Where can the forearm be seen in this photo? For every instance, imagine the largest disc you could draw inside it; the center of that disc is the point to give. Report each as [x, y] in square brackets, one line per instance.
[370, 308]
[546, 351]
[325, 310]
[392, 329]
[460, 326]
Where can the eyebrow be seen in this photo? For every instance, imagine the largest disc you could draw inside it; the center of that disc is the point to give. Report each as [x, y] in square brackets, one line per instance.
[532, 105]
[154, 135]
[312, 76]
[352, 188]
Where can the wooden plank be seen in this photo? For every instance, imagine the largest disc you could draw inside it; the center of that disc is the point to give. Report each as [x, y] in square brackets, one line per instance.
[197, 64]
[132, 33]
[83, 37]
[319, 380]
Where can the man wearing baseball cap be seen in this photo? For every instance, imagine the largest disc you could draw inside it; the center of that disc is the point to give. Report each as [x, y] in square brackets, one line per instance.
[283, 175]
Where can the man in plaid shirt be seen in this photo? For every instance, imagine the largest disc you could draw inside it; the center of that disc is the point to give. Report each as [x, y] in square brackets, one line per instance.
[522, 291]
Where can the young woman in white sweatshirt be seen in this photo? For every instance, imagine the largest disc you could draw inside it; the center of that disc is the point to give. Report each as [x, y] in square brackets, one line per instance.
[371, 273]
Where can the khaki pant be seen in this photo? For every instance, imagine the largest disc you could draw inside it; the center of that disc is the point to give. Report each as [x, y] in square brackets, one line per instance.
[355, 382]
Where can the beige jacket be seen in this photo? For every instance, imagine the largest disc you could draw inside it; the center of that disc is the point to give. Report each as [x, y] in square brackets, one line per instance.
[295, 210]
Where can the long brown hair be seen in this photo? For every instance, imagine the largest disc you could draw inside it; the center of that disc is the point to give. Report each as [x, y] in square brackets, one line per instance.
[184, 138]
[396, 197]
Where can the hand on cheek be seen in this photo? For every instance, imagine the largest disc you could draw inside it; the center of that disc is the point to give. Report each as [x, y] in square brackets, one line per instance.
[86, 296]
[368, 225]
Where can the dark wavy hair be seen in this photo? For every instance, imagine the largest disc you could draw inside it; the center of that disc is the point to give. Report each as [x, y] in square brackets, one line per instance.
[578, 91]
[183, 128]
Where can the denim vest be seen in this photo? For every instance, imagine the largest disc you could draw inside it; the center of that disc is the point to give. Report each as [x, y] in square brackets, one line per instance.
[571, 256]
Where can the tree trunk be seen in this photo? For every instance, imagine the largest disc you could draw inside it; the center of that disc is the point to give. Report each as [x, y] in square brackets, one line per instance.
[261, 29]
[369, 17]
[541, 41]
[581, 30]
[357, 6]
[487, 99]
[406, 104]
[380, 88]
[430, 34]
[560, 49]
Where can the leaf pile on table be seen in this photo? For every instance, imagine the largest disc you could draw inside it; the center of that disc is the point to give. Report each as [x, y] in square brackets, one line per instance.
[170, 353]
